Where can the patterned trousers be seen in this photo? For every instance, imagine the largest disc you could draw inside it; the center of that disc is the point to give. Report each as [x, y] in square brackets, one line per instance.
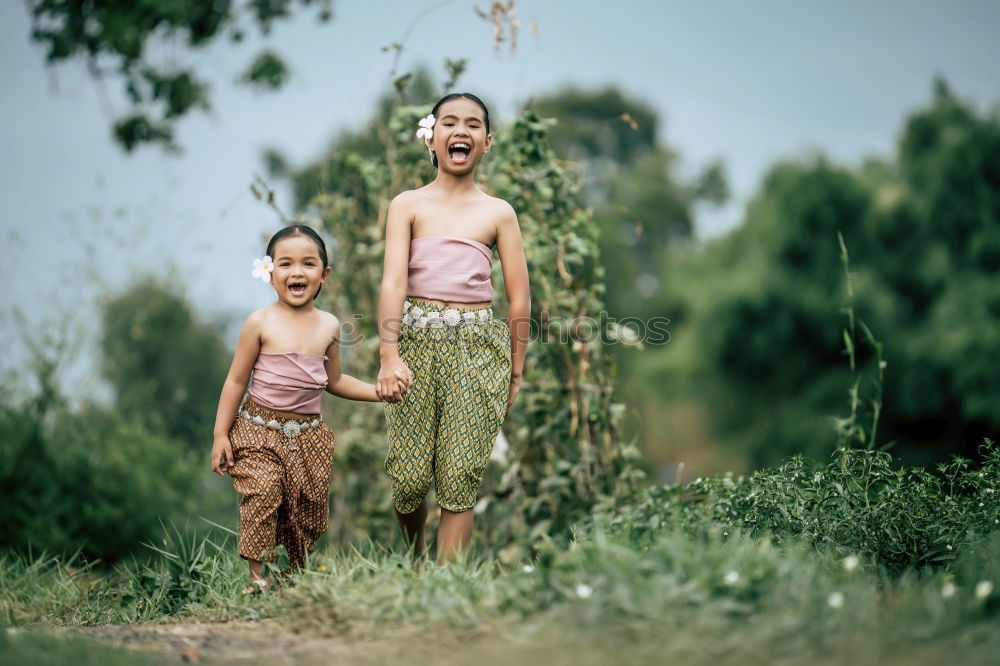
[284, 492]
[444, 429]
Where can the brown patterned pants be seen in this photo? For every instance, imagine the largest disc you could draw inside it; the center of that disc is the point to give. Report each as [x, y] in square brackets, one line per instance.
[285, 492]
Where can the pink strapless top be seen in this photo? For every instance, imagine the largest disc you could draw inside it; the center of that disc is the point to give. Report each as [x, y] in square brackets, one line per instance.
[448, 268]
[289, 381]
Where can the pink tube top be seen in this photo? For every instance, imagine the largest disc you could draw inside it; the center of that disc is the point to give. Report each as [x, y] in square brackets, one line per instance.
[448, 268]
[289, 381]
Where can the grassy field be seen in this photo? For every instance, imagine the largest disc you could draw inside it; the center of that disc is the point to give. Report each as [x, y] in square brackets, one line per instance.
[658, 581]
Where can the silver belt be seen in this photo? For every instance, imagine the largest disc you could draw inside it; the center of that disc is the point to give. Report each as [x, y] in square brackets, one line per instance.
[290, 429]
[414, 315]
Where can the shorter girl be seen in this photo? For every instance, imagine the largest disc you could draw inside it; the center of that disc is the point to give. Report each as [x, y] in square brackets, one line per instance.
[275, 444]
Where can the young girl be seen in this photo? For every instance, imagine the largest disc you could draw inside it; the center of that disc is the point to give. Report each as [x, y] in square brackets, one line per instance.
[275, 444]
[435, 319]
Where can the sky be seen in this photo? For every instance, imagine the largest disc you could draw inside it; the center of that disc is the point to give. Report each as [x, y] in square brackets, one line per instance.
[747, 83]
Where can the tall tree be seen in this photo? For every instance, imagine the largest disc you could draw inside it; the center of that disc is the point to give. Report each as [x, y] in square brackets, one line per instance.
[113, 39]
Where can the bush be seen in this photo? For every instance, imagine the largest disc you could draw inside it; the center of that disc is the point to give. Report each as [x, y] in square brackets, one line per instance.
[906, 517]
[88, 481]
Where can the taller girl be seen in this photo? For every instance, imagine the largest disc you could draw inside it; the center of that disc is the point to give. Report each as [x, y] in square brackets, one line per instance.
[436, 321]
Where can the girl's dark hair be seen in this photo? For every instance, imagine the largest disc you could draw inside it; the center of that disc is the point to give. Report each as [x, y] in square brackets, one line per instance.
[466, 95]
[300, 230]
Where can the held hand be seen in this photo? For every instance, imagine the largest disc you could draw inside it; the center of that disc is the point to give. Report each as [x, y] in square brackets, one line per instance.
[515, 387]
[222, 455]
[394, 381]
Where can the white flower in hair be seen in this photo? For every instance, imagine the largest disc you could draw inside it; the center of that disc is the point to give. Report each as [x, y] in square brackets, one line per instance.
[426, 130]
[262, 268]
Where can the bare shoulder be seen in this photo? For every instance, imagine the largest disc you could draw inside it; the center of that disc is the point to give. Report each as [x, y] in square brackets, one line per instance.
[256, 319]
[330, 325]
[497, 206]
[404, 199]
[502, 212]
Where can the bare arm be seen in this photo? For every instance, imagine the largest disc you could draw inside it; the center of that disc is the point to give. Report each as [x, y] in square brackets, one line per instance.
[235, 384]
[515, 277]
[391, 296]
[341, 385]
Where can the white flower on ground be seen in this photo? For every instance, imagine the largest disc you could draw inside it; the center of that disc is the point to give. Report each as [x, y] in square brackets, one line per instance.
[527, 568]
[731, 577]
[584, 591]
[836, 599]
[426, 130]
[262, 268]
[851, 562]
[984, 588]
[948, 589]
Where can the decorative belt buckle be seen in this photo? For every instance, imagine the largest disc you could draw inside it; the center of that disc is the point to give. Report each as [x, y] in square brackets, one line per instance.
[291, 430]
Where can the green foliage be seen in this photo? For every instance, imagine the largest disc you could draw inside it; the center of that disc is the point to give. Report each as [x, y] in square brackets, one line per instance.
[267, 71]
[165, 365]
[754, 315]
[90, 481]
[642, 207]
[858, 502]
[113, 39]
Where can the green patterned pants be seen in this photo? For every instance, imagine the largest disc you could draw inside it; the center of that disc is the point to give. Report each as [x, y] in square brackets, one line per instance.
[444, 429]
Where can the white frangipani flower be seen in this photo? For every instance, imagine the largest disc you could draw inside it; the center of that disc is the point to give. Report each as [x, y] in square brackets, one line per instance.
[584, 591]
[836, 599]
[984, 588]
[426, 130]
[851, 562]
[731, 577]
[262, 268]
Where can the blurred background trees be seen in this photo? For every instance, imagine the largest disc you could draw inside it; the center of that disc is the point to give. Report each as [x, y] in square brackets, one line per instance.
[755, 357]
[754, 369]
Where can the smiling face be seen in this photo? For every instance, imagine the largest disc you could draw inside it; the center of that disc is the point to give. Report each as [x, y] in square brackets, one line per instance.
[460, 137]
[298, 270]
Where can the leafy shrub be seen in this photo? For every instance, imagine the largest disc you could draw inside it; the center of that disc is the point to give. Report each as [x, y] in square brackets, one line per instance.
[88, 481]
[905, 517]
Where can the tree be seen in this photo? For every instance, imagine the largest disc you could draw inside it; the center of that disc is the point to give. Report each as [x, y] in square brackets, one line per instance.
[166, 366]
[113, 39]
[756, 323]
[642, 207]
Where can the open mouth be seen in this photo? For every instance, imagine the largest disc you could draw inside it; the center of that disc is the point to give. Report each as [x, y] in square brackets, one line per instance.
[297, 288]
[459, 151]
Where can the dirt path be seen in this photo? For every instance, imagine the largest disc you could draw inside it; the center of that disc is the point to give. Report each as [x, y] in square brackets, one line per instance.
[235, 642]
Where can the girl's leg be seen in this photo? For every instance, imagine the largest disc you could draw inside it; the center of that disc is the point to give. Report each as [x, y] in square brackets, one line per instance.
[255, 570]
[413, 528]
[454, 534]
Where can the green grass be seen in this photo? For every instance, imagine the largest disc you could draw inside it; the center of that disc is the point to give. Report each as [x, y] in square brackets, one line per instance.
[703, 599]
[851, 562]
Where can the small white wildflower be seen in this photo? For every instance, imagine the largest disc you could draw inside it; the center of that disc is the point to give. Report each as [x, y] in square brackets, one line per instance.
[851, 562]
[835, 600]
[584, 591]
[984, 588]
[527, 568]
[731, 577]
[948, 546]
[988, 490]
[948, 589]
